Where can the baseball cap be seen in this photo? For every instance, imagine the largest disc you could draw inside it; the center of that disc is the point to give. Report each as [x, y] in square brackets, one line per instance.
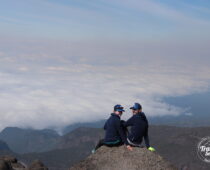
[136, 106]
[119, 108]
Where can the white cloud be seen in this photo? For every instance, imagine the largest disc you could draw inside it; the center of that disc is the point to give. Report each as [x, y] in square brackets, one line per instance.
[79, 77]
[57, 95]
[54, 83]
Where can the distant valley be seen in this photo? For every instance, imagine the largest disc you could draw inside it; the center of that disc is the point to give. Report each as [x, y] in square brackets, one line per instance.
[176, 144]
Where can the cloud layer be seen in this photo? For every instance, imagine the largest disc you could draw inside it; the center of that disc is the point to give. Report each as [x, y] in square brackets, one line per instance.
[67, 61]
[43, 84]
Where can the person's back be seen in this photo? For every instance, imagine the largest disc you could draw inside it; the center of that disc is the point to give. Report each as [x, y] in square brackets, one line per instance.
[113, 129]
[139, 128]
[143, 116]
[114, 133]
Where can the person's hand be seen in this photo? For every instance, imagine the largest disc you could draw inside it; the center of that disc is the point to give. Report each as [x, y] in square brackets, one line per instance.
[151, 149]
[129, 148]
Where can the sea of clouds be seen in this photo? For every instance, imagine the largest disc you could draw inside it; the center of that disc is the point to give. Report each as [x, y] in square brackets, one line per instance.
[56, 83]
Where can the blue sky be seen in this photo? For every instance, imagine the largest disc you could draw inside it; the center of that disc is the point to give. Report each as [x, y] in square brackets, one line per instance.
[105, 18]
[59, 59]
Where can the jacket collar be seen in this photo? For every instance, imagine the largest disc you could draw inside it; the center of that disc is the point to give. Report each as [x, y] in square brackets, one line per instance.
[140, 113]
[113, 114]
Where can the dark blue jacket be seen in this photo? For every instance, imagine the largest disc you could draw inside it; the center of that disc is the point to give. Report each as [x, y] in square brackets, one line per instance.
[114, 130]
[139, 129]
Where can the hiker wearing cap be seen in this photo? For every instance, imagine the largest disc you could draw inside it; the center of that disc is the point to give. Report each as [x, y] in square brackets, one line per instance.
[114, 132]
[139, 128]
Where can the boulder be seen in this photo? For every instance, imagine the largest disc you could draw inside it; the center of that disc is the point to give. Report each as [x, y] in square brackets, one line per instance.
[4, 165]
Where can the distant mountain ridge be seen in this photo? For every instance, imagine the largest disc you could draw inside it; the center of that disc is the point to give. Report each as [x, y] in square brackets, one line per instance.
[176, 144]
[95, 124]
[29, 140]
[180, 121]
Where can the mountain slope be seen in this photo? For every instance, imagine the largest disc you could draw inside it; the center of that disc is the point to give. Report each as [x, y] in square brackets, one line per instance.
[70, 148]
[179, 145]
[119, 158]
[4, 146]
[96, 124]
[79, 136]
[29, 140]
[176, 144]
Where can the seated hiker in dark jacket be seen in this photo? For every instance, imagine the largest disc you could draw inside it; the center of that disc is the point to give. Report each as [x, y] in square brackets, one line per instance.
[139, 128]
[115, 134]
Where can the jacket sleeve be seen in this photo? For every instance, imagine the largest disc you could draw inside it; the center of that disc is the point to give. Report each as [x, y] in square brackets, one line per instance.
[105, 125]
[121, 132]
[146, 138]
[144, 118]
[129, 122]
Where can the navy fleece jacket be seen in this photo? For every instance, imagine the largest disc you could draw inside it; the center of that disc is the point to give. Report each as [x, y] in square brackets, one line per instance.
[139, 129]
[114, 130]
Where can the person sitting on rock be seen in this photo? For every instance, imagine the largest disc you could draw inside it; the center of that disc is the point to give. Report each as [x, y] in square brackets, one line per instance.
[115, 134]
[139, 128]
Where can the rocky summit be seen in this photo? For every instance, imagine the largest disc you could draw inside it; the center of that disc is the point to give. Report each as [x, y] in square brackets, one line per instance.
[11, 163]
[119, 158]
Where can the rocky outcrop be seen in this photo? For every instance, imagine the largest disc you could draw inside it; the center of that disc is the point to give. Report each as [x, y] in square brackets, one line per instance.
[119, 158]
[11, 163]
[37, 165]
[5, 165]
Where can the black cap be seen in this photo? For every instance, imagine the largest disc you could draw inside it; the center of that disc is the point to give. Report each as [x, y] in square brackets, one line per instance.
[119, 108]
[136, 106]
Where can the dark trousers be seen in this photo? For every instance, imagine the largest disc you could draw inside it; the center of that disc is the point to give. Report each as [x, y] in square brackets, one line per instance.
[101, 143]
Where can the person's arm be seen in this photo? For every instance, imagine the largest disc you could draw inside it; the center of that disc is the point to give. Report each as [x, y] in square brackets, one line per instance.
[121, 132]
[105, 125]
[129, 122]
[146, 138]
[144, 118]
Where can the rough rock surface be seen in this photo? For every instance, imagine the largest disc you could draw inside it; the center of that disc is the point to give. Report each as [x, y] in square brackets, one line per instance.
[9, 159]
[8, 162]
[4, 165]
[37, 165]
[119, 158]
